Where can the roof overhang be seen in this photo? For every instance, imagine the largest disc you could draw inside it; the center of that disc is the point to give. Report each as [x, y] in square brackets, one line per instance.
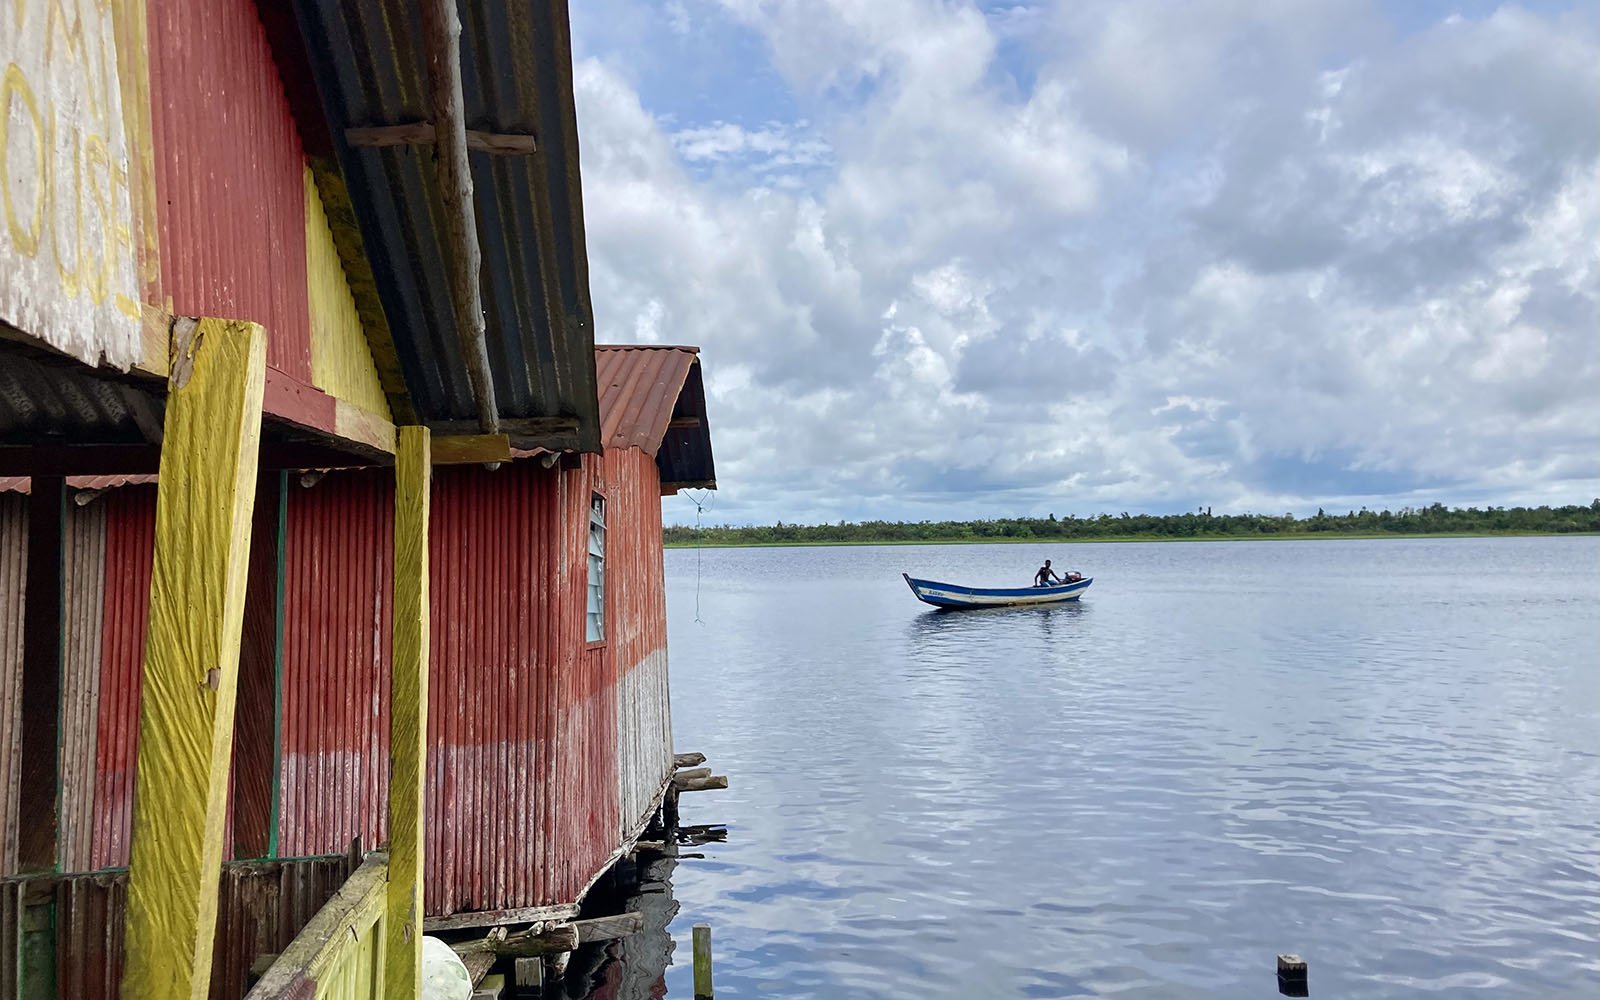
[367, 59]
[653, 397]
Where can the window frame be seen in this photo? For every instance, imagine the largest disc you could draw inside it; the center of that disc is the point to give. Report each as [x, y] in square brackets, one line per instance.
[596, 593]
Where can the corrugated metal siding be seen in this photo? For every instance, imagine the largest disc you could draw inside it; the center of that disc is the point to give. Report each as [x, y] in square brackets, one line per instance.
[341, 361]
[338, 591]
[82, 585]
[229, 175]
[521, 724]
[13, 593]
[260, 908]
[129, 555]
[639, 634]
[91, 911]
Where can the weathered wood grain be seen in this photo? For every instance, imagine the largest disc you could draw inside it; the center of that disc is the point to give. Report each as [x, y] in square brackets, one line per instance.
[206, 489]
[408, 713]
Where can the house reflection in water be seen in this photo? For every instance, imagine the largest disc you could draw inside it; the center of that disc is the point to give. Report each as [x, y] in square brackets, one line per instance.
[635, 967]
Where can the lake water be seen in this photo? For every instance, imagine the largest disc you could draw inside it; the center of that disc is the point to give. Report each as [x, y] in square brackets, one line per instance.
[1382, 755]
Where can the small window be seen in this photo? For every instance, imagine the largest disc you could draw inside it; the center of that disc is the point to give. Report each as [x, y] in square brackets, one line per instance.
[597, 568]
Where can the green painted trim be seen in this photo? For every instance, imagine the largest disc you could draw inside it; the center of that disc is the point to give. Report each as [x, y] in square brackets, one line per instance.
[36, 950]
[277, 669]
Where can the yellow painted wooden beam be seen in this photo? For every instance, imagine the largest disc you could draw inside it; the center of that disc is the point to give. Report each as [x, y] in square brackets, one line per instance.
[471, 449]
[353, 423]
[344, 929]
[408, 714]
[204, 496]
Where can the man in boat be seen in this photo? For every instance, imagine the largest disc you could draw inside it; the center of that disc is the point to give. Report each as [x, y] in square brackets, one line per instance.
[1046, 576]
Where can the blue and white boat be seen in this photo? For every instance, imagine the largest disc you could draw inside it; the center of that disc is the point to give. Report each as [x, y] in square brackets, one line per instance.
[950, 595]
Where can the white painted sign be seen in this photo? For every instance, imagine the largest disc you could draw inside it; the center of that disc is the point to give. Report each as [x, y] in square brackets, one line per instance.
[68, 273]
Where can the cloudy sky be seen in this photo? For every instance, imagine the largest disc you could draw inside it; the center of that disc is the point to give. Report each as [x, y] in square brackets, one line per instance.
[947, 259]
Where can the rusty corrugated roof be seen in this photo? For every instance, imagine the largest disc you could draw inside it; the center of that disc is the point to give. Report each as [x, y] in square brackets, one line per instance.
[21, 484]
[638, 389]
[652, 398]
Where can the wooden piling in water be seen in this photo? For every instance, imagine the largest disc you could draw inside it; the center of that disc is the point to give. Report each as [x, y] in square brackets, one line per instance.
[1292, 976]
[702, 961]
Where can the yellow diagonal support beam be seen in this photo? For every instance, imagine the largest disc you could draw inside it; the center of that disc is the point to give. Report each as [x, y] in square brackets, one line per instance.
[191, 657]
[408, 714]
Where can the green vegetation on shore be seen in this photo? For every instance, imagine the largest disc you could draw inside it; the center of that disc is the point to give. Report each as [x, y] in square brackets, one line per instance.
[1435, 520]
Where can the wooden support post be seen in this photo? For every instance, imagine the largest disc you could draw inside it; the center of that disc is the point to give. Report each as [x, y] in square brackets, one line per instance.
[41, 680]
[408, 714]
[207, 485]
[1292, 976]
[529, 974]
[702, 961]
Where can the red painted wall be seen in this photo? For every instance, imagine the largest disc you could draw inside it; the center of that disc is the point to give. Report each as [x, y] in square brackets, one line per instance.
[130, 552]
[334, 722]
[542, 755]
[230, 190]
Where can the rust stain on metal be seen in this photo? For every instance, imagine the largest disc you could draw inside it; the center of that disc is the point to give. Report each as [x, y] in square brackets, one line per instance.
[639, 386]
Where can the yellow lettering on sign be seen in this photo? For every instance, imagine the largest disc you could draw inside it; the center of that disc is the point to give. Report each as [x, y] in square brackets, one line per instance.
[69, 267]
[15, 87]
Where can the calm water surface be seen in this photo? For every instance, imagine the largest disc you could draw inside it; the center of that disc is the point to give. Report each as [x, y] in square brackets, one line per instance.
[1383, 755]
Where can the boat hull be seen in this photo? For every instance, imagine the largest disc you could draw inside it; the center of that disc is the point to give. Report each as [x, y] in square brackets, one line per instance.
[954, 596]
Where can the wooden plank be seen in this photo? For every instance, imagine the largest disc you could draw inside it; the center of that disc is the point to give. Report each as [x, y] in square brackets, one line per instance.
[513, 426]
[688, 759]
[609, 928]
[478, 965]
[492, 988]
[540, 940]
[339, 925]
[298, 403]
[408, 714]
[353, 423]
[202, 541]
[36, 950]
[701, 784]
[40, 723]
[471, 449]
[493, 918]
[424, 134]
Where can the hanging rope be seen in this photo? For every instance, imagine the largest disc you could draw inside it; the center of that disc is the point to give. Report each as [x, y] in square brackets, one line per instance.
[699, 537]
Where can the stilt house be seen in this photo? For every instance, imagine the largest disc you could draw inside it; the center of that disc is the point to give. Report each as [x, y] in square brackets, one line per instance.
[330, 549]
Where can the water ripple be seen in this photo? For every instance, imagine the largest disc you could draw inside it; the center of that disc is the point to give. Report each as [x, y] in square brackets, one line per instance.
[1226, 752]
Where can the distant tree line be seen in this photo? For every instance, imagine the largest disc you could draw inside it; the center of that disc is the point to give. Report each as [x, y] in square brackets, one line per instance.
[1432, 520]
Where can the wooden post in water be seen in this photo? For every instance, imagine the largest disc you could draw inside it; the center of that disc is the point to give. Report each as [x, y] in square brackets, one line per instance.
[702, 961]
[1292, 976]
